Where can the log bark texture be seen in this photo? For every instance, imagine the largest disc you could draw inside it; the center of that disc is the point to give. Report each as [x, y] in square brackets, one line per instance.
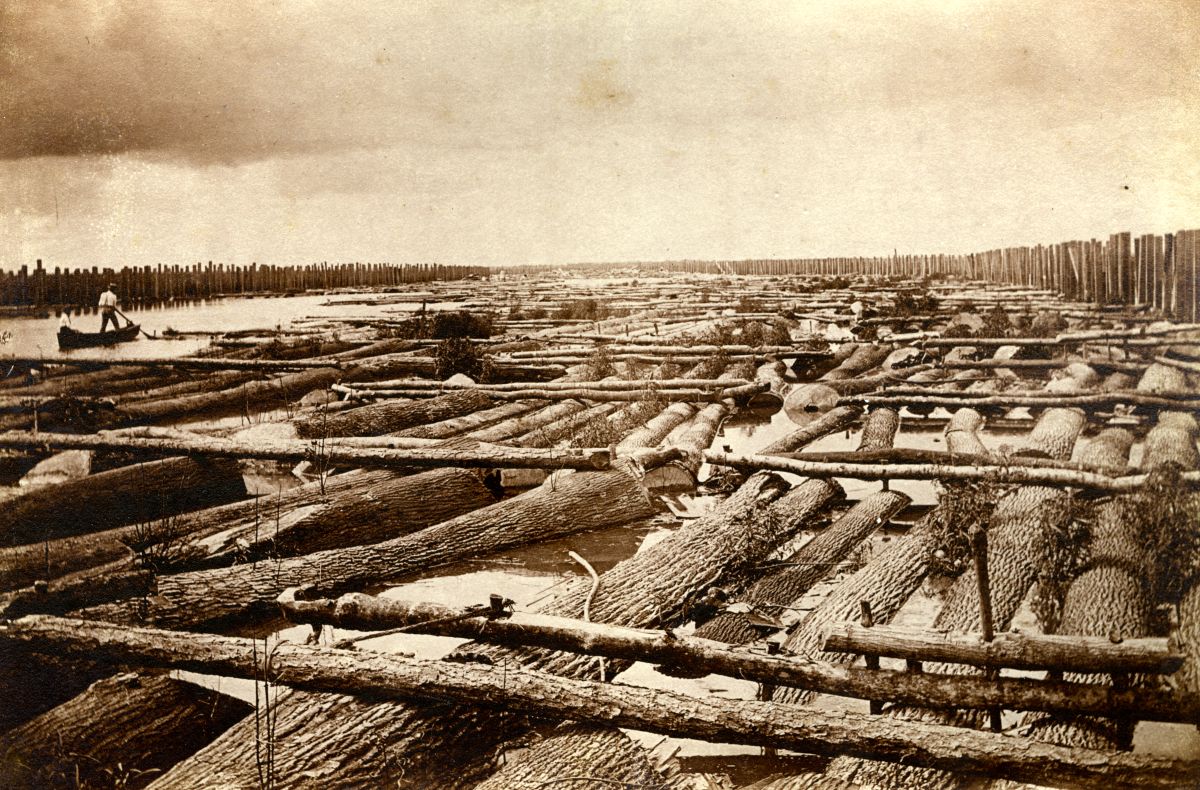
[356, 507]
[1016, 524]
[805, 568]
[546, 695]
[598, 756]
[140, 494]
[121, 732]
[564, 504]
[390, 416]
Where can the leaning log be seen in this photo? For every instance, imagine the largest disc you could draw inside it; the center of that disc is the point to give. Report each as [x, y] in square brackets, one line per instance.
[865, 357]
[121, 732]
[402, 454]
[548, 696]
[566, 503]
[146, 493]
[816, 558]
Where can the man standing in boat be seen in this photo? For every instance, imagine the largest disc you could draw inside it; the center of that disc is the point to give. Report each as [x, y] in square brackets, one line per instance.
[108, 308]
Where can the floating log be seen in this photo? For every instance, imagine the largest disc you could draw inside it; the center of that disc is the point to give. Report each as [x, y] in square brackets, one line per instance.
[192, 363]
[839, 418]
[908, 455]
[146, 493]
[1010, 400]
[392, 416]
[329, 453]
[549, 696]
[275, 392]
[772, 397]
[122, 731]
[356, 507]
[805, 568]
[1085, 654]
[566, 503]
[613, 384]
[652, 588]
[1108, 597]
[602, 756]
[1033, 475]
[1100, 363]
[705, 655]
[864, 357]
[471, 422]
[741, 393]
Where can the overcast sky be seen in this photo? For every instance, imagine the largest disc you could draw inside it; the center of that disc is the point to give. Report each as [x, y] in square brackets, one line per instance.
[509, 132]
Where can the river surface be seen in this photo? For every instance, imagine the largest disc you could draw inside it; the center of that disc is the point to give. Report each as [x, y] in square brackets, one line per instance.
[39, 336]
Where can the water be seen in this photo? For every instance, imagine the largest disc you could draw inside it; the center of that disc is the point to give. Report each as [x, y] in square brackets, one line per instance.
[39, 336]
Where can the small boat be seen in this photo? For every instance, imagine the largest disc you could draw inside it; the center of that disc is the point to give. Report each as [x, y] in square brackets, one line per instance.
[70, 338]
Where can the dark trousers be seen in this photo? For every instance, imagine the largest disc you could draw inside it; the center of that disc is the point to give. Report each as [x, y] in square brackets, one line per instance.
[105, 317]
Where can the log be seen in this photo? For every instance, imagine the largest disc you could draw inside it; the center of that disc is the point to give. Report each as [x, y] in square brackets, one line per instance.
[563, 505]
[610, 384]
[908, 455]
[1011, 400]
[549, 696]
[832, 421]
[1032, 475]
[1084, 654]
[392, 416]
[1109, 597]
[277, 391]
[705, 656]
[1164, 379]
[190, 363]
[739, 393]
[865, 357]
[471, 422]
[355, 507]
[771, 373]
[805, 568]
[146, 493]
[602, 756]
[121, 732]
[329, 452]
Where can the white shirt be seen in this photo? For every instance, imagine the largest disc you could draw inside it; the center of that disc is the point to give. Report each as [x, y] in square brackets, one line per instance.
[65, 321]
[108, 299]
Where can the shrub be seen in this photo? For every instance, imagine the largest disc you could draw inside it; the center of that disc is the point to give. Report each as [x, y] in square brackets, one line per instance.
[460, 355]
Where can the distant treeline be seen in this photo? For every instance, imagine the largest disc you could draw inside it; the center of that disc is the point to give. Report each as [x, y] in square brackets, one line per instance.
[143, 285]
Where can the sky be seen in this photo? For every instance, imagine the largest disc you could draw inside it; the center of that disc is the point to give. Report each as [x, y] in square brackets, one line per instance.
[294, 131]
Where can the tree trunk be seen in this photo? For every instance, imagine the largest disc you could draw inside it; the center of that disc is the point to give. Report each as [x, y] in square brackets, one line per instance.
[121, 732]
[140, 494]
[805, 568]
[471, 422]
[837, 419]
[360, 612]
[865, 357]
[518, 689]
[391, 416]
[770, 373]
[601, 756]
[566, 503]
[276, 392]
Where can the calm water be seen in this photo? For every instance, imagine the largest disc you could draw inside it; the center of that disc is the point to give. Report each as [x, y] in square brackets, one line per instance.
[38, 336]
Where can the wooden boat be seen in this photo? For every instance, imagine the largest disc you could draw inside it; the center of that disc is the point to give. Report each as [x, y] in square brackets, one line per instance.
[70, 338]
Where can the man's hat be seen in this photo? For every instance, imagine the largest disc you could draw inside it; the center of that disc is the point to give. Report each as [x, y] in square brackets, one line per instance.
[112, 285]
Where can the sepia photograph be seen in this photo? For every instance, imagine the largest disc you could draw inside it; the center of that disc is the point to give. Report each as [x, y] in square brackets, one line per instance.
[558, 395]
